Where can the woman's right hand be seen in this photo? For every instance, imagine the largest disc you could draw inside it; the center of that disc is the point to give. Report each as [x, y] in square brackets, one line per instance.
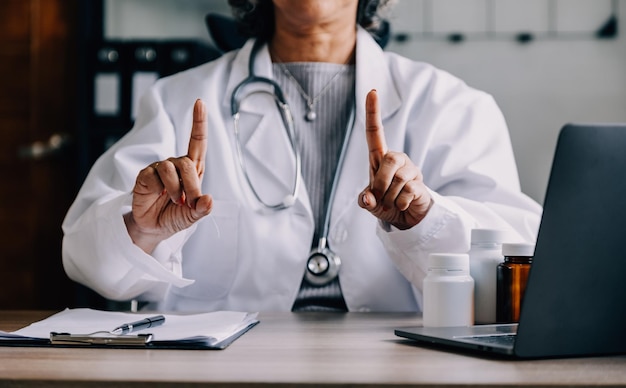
[167, 196]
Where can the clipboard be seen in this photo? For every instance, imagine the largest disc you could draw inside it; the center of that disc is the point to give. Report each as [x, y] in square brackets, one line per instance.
[140, 340]
[205, 331]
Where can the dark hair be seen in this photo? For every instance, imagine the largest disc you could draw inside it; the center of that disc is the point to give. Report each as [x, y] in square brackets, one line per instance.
[256, 17]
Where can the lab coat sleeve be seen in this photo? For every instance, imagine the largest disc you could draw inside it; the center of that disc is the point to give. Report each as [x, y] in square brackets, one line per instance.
[97, 250]
[472, 177]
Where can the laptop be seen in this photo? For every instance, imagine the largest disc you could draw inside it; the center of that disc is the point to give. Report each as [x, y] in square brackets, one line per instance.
[575, 298]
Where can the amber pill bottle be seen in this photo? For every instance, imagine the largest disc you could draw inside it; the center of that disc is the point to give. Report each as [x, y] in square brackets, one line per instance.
[511, 278]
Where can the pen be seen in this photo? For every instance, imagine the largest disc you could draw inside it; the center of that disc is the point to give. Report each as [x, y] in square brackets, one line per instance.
[139, 325]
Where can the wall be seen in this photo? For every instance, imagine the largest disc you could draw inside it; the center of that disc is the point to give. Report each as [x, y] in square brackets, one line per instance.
[540, 85]
[159, 18]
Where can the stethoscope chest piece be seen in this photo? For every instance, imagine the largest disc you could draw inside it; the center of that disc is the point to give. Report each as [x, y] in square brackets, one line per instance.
[322, 266]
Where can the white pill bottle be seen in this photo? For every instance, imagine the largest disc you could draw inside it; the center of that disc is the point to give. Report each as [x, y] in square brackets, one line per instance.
[448, 291]
[485, 254]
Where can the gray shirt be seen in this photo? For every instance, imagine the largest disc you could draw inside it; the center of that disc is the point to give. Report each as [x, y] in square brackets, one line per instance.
[331, 86]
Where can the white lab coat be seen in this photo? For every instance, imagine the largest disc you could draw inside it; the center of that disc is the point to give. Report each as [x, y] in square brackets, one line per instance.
[243, 257]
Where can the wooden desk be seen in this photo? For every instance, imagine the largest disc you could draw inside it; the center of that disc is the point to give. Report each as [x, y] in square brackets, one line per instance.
[286, 349]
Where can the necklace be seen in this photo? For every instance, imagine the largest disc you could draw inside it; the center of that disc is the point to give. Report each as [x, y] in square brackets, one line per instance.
[310, 115]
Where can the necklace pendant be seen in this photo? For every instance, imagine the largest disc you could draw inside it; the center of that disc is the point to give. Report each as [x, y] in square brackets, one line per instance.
[310, 115]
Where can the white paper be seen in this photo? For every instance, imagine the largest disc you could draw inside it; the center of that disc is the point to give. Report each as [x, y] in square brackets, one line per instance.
[213, 326]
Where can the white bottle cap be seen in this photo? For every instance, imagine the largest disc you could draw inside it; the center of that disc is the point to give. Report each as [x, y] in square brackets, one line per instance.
[489, 236]
[449, 261]
[518, 249]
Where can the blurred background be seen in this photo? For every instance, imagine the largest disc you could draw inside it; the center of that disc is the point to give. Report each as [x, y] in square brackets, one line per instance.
[73, 70]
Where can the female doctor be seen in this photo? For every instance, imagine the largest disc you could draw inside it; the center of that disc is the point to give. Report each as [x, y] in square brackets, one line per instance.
[307, 170]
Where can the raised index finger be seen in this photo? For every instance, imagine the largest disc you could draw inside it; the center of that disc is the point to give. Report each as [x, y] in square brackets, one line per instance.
[199, 137]
[374, 131]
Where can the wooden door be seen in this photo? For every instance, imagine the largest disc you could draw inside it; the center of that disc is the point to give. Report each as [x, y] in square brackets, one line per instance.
[37, 95]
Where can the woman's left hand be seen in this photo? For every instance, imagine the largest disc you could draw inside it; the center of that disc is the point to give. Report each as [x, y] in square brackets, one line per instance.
[396, 193]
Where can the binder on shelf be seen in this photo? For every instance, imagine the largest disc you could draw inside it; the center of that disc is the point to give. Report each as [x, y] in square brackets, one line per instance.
[142, 73]
[179, 55]
[106, 86]
[119, 73]
[92, 328]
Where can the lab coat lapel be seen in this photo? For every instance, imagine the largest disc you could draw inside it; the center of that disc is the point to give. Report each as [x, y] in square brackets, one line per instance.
[372, 72]
[239, 71]
[267, 151]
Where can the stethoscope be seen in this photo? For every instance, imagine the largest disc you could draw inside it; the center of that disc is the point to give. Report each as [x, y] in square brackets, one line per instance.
[323, 264]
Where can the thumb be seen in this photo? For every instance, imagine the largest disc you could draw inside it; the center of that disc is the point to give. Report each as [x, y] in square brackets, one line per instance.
[367, 200]
[203, 206]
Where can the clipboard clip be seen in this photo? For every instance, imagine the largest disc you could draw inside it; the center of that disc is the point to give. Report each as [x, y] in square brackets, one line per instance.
[88, 339]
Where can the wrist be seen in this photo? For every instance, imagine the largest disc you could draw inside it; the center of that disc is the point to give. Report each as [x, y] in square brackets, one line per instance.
[145, 240]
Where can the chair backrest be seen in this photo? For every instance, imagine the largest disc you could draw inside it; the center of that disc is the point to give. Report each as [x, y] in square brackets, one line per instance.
[224, 32]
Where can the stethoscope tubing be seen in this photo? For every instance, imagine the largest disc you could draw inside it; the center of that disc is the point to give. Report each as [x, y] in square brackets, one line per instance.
[288, 122]
[287, 119]
[333, 187]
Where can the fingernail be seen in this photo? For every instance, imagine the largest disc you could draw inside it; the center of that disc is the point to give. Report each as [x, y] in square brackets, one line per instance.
[364, 200]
